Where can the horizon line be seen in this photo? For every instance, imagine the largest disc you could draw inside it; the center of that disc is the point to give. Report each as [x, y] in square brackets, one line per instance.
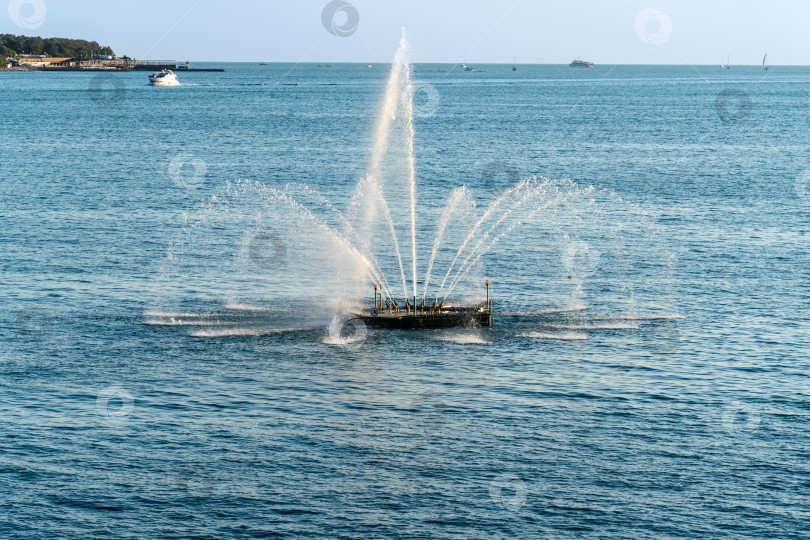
[469, 63]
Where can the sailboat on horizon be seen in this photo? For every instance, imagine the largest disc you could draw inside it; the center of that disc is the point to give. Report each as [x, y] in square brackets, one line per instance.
[764, 58]
[727, 65]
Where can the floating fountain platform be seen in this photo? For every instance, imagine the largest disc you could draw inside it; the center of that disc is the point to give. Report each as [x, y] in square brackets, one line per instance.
[449, 317]
[422, 317]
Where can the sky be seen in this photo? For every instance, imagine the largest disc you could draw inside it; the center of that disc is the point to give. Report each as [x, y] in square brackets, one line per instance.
[472, 31]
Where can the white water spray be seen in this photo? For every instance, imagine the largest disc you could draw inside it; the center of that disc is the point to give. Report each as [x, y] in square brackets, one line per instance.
[393, 166]
[334, 257]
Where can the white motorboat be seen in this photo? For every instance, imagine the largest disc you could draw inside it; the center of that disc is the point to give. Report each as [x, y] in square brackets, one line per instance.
[164, 78]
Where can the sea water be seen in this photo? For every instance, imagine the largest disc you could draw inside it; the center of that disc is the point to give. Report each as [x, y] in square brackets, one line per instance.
[615, 402]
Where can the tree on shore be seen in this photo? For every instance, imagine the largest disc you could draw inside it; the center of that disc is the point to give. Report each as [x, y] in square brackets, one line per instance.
[11, 45]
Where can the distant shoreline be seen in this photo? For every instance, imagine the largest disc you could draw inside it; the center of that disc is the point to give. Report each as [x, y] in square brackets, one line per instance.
[152, 68]
[448, 65]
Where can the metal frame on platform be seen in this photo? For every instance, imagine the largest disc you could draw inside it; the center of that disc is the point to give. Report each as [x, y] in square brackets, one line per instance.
[421, 316]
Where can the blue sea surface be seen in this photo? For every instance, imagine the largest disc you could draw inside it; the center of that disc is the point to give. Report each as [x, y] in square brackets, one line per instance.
[683, 413]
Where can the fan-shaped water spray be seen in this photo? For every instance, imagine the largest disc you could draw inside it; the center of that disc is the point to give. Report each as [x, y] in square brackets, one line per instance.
[292, 247]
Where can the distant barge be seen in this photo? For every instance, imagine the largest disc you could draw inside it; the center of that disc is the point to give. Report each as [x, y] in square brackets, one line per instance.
[161, 67]
[387, 314]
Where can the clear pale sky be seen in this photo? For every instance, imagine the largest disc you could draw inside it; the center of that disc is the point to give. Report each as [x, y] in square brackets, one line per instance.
[475, 31]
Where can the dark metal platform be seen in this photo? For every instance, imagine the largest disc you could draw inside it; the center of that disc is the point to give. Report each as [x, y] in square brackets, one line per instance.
[387, 313]
[445, 318]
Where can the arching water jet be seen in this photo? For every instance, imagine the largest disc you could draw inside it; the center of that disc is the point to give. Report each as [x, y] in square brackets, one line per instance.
[326, 260]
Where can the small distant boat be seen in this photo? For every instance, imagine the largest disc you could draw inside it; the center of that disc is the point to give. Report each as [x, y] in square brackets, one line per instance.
[465, 67]
[164, 78]
[514, 68]
[264, 64]
[368, 66]
[763, 62]
[727, 65]
[581, 63]
[325, 65]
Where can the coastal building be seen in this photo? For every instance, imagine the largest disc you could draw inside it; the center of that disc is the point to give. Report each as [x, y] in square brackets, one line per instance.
[45, 61]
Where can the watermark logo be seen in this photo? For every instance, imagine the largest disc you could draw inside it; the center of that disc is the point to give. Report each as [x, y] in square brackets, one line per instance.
[195, 482]
[258, 250]
[580, 259]
[35, 323]
[733, 106]
[740, 419]
[332, 14]
[347, 330]
[661, 339]
[115, 404]
[800, 186]
[108, 91]
[28, 14]
[187, 171]
[653, 26]
[498, 175]
[428, 411]
[425, 99]
[508, 491]
[5, 356]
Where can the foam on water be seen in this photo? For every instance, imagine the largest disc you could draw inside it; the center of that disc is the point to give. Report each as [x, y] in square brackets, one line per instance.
[565, 336]
[172, 321]
[545, 311]
[244, 331]
[463, 338]
[633, 317]
[239, 306]
[173, 314]
[337, 338]
[590, 326]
